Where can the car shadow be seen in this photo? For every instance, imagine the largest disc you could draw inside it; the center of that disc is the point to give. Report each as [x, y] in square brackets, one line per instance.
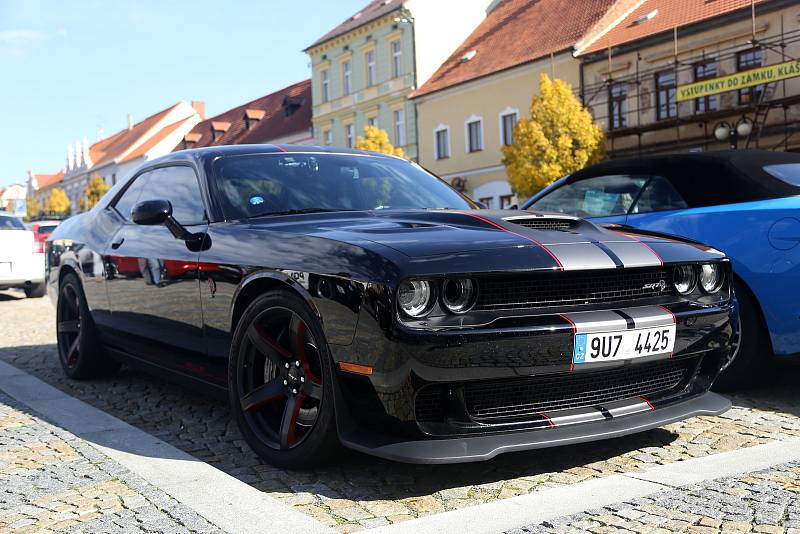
[201, 426]
[11, 295]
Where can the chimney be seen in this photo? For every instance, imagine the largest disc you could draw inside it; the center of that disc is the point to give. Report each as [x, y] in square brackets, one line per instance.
[130, 122]
[200, 107]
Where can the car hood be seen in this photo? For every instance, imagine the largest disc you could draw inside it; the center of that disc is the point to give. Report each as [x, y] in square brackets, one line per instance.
[549, 240]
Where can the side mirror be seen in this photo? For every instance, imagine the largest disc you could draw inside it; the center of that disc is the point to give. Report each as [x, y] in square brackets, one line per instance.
[151, 212]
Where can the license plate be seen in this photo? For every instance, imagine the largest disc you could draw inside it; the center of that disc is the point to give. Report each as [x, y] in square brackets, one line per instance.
[624, 345]
[5, 268]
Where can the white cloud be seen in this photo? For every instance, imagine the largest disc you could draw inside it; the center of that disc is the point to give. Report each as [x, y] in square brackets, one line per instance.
[14, 42]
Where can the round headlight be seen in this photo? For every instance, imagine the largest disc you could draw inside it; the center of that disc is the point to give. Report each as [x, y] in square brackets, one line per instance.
[685, 279]
[710, 277]
[458, 295]
[414, 297]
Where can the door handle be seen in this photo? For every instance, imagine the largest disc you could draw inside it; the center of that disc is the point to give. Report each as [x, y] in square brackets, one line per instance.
[116, 244]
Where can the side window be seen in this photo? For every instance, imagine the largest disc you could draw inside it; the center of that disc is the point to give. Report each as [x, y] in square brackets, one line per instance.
[130, 197]
[659, 195]
[602, 196]
[178, 185]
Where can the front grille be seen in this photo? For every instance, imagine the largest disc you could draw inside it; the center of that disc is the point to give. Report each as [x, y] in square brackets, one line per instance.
[570, 288]
[562, 225]
[525, 397]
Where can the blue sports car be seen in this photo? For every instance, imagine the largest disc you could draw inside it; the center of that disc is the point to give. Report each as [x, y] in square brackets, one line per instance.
[745, 203]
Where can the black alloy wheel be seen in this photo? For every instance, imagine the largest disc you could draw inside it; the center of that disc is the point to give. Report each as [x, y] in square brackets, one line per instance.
[279, 393]
[79, 349]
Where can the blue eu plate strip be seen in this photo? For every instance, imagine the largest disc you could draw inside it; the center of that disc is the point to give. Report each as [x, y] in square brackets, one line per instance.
[580, 349]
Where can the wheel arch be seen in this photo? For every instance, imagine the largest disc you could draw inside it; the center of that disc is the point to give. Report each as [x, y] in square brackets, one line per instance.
[760, 312]
[260, 283]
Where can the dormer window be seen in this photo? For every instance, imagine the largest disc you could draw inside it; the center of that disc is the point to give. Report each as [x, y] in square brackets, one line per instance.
[291, 105]
[190, 140]
[218, 128]
[252, 116]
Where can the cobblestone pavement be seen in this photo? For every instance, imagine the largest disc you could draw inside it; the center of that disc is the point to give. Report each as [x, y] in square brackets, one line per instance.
[764, 501]
[52, 481]
[359, 491]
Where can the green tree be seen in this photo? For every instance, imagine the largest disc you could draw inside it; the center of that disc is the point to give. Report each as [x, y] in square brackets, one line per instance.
[559, 138]
[377, 140]
[33, 207]
[94, 192]
[57, 203]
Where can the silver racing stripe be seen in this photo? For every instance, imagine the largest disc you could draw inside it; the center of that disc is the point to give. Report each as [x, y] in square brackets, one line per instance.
[634, 253]
[581, 256]
[592, 322]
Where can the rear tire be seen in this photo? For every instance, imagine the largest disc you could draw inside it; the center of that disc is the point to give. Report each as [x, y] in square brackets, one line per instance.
[753, 346]
[36, 291]
[280, 382]
[79, 349]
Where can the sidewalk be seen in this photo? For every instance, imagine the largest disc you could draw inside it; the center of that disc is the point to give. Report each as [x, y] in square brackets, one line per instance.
[53, 481]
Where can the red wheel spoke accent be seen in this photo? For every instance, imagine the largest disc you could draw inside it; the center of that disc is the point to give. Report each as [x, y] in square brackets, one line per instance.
[288, 431]
[299, 330]
[266, 345]
[70, 327]
[72, 299]
[312, 389]
[263, 395]
[72, 352]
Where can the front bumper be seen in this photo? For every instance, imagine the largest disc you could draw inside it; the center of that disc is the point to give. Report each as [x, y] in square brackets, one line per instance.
[470, 394]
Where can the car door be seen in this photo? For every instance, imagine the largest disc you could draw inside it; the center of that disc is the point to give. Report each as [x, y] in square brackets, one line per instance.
[603, 199]
[153, 284]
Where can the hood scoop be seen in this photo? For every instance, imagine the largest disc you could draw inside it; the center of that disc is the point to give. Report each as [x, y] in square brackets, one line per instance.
[560, 224]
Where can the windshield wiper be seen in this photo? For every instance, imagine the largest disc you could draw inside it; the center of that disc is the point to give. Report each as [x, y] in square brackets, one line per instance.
[301, 211]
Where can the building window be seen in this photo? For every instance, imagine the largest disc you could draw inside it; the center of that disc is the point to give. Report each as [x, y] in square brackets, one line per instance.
[400, 127]
[326, 85]
[369, 59]
[442, 143]
[747, 60]
[372, 121]
[487, 201]
[705, 70]
[347, 78]
[666, 101]
[506, 201]
[397, 59]
[508, 121]
[327, 137]
[618, 105]
[350, 135]
[475, 135]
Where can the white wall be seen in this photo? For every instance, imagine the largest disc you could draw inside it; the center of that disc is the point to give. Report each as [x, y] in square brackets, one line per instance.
[440, 26]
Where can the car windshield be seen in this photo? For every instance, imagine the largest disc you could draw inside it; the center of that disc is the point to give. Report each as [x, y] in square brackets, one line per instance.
[272, 184]
[10, 223]
[788, 172]
[601, 196]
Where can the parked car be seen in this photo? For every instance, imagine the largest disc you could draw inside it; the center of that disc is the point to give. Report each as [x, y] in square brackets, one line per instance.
[21, 261]
[339, 296]
[744, 203]
[41, 231]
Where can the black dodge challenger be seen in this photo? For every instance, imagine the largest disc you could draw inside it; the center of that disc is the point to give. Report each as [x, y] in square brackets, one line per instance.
[346, 297]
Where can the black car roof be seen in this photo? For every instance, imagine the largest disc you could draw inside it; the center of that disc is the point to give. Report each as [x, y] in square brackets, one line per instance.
[744, 166]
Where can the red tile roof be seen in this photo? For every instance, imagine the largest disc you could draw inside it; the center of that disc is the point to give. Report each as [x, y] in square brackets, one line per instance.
[274, 123]
[113, 147]
[46, 180]
[516, 32]
[157, 138]
[666, 15]
[373, 11]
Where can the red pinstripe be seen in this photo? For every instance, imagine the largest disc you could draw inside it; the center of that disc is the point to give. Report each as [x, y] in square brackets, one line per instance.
[574, 333]
[549, 421]
[648, 403]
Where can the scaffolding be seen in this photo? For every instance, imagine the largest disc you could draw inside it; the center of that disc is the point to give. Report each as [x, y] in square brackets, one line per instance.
[638, 110]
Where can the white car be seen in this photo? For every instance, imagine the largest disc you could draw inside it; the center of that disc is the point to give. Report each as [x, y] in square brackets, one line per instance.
[21, 259]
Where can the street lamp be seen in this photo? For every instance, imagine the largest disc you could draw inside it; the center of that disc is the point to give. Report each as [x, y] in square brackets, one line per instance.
[724, 131]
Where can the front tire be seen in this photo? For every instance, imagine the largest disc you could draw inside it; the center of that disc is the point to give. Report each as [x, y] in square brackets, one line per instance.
[79, 349]
[751, 344]
[280, 380]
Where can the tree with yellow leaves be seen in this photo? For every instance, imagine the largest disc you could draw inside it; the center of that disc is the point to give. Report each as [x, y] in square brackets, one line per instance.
[57, 203]
[32, 207]
[377, 140]
[94, 192]
[558, 139]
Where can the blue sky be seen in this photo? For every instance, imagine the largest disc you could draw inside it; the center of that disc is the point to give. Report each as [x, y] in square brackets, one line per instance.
[69, 69]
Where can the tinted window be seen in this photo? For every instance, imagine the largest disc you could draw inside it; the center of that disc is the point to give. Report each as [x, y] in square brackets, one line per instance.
[130, 197]
[659, 195]
[10, 223]
[788, 172]
[179, 186]
[594, 197]
[273, 183]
